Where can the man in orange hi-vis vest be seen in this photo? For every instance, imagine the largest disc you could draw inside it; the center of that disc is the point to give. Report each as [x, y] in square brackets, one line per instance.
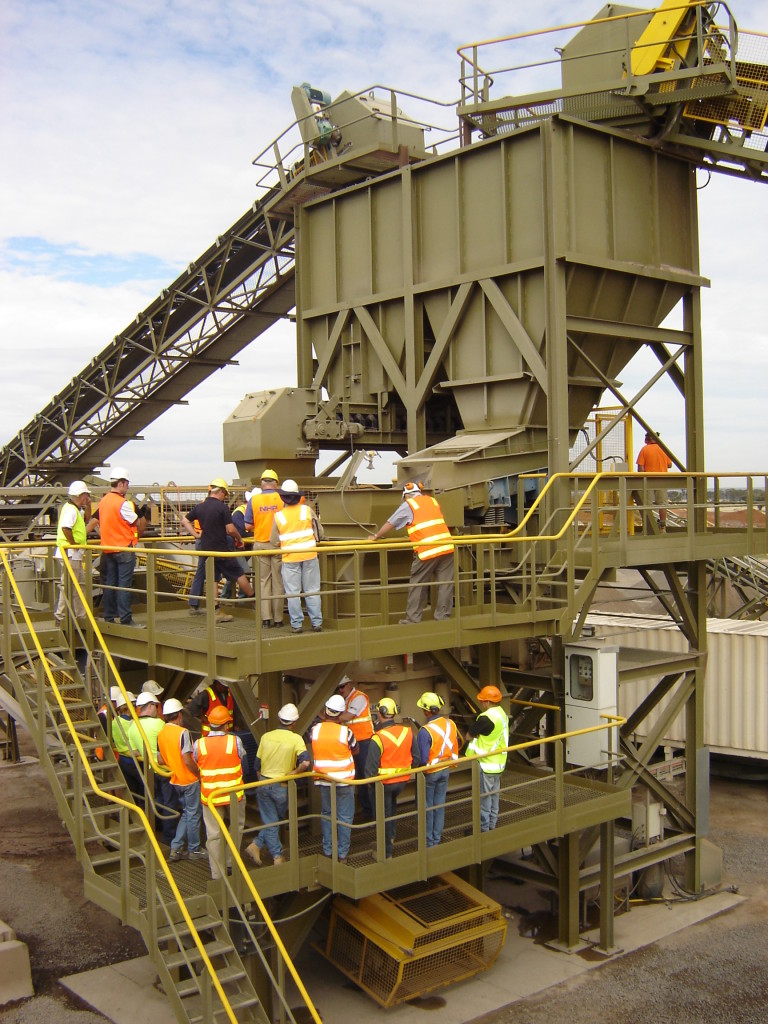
[120, 526]
[259, 519]
[433, 551]
[174, 745]
[333, 748]
[219, 756]
[391, 753]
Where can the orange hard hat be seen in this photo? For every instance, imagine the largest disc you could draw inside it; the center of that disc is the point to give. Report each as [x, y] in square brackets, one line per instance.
[490, 693]
[219, 716]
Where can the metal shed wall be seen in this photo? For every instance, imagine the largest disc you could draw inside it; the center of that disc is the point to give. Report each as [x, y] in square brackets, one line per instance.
[736, 682]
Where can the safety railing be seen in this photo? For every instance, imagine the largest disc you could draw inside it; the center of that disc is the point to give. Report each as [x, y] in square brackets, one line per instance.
[577, 521]
[160, 909]
[535, 74]
[544, 790]
[289, 155]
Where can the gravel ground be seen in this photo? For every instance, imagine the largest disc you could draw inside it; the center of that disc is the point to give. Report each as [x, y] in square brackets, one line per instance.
[712, 973]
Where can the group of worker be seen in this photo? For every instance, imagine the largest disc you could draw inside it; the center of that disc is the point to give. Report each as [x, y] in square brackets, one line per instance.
[346, 742]
[275, 518]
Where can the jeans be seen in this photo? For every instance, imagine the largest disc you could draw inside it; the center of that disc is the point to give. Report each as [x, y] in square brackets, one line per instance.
[391, 792]
[364, 793]
[303, 577]
[166, 794]
[436, 789]
[273, 807]
[132, 777]
[345, 812]
[490, 784]
[191, 815]
[216, 845]
[430, 570]
[117, 572]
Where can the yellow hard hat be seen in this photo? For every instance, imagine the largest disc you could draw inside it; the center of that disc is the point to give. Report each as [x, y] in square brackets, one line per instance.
[219, 485]
[430, 701]
[269, 474]
[387, 707]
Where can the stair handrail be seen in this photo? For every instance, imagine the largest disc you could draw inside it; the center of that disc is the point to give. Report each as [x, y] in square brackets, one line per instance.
[104, 794]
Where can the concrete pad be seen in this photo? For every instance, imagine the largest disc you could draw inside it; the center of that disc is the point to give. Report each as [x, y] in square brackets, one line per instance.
[6, 932]
[15, 974]
[125, 992]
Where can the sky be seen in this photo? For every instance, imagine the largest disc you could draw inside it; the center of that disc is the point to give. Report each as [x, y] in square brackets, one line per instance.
[128, 133]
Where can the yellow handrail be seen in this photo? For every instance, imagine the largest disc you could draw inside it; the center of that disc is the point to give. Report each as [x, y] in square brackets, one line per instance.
[131, 807]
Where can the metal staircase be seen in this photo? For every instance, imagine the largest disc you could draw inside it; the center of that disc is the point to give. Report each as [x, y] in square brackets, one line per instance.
[180, 919]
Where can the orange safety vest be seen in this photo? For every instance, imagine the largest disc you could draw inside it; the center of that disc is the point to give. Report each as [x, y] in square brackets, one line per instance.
[220, 768]
[297, 538]
[99, 751]
[428, 527]
[395, 742]
[362, 726]
[330, 751]
[214, 702]
[264, 506]
[169, 745]
[445, 742]
[115, 532]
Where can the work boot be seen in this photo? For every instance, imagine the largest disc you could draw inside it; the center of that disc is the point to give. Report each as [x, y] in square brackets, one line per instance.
[223, 617]
[279, 859]
[195, 609]
[254, 853]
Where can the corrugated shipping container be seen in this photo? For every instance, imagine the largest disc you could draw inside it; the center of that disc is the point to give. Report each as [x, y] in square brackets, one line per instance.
[736, 685]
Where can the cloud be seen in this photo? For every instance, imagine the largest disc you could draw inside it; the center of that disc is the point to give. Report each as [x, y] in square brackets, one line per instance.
[129, 130]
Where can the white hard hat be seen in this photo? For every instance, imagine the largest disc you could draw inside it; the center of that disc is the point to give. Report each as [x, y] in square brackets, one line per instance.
[290, 486]
[78, 487]
[152, 687]
[146, 698]
[411, 488]
[172, 706]
[118, 473]
[131, 696]
[114, 693]
[120, 701]
[288, 713]
[335, 705]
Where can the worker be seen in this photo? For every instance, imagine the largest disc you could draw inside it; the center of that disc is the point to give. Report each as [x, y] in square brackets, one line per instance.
[174, 745]
[71, 535]
[259, 520]
[433, 551]
[281, 753]
[216, 524]
[438, 745]
[653, 459]
[205, 700]
[391, 752]
[296, 531]
[238, 521]
[166, 804]
[106, 712]
[153, 687]
[219, 756]
[120, 526]
[333, 749]
[125, 759]
[357, 715]
[489, 735]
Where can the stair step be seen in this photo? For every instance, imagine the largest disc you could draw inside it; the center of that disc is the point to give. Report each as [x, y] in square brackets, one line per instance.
[107, 785]
[203, 923]
[226, 975]
[191, 954]
[238, 1002]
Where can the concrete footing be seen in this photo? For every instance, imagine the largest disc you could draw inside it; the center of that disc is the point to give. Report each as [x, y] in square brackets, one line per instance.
[15, 973]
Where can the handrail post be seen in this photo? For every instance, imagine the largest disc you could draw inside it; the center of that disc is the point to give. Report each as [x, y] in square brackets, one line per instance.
[559, 785]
